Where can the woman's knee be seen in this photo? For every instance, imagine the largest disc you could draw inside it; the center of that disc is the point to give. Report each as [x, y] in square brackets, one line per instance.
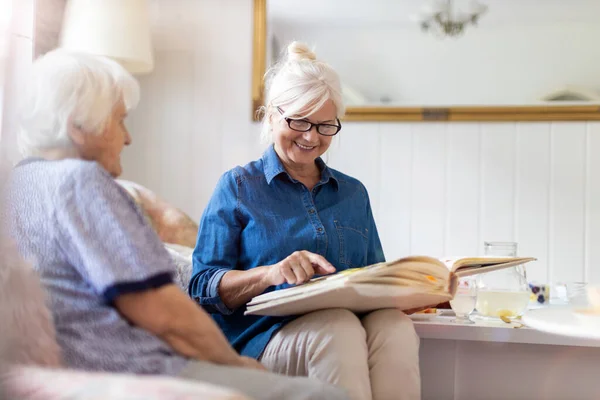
[337, 321]
[390, 322]
[334, 329]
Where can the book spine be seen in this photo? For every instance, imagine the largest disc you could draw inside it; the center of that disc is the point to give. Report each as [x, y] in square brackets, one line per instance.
[452, 284]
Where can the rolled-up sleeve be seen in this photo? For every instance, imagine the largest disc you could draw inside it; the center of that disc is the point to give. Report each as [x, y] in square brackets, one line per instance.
[217, 245]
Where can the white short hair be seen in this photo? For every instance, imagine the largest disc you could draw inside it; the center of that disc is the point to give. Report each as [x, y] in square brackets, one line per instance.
[66, 88]
[301, 85]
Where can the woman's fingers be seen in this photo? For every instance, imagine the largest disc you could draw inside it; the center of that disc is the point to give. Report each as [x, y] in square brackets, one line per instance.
[307, 268]
[286, 270]
[301, 266]
[320, 264]
[301, 275]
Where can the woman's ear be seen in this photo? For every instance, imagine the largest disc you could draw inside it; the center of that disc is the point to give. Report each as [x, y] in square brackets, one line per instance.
[76, 133]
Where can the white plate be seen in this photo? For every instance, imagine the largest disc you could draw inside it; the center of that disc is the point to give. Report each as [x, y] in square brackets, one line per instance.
[560, 321]
[588, 316]
[424, 316]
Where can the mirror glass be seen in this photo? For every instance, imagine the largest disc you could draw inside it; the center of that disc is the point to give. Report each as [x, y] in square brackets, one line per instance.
[404, 53]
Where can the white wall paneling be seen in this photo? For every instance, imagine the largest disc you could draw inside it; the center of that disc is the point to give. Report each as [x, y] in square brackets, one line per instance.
[592, 205]
[532, 196]
[394, 217]
[428, 193]
[363, 139]
[439, 188]
[497, 181]
[463, 177]
[567, 203]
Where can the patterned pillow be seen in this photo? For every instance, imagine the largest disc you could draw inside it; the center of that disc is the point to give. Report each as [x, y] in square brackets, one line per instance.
[171, 224]
[182, 257]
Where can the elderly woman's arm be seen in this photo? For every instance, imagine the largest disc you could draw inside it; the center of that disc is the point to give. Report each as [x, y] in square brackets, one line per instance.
[169, 314]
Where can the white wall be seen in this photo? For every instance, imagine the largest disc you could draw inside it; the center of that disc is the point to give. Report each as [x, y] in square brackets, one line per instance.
[193, 122]
[20, 50]
[439, 188]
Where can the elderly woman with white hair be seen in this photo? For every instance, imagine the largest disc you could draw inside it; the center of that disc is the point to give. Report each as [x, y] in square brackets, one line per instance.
[286, 217]
[107, 274]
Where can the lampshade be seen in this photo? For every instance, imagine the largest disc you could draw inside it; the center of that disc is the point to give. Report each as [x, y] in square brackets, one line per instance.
[119, 29]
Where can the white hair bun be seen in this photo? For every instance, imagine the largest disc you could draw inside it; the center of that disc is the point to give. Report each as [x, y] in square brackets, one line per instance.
[298, 51]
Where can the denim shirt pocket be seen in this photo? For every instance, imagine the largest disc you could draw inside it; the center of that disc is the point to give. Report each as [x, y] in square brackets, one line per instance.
[353, 244]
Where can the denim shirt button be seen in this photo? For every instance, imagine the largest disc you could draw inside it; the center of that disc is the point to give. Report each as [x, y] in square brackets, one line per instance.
[319, 230]
[311, 211]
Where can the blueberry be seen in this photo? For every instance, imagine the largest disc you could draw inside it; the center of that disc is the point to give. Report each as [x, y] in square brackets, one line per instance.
[541, 299]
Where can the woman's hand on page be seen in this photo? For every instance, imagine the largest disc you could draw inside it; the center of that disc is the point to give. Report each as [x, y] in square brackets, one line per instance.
[297, 268]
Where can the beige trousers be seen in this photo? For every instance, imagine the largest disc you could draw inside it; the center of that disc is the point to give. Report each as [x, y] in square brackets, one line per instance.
[374, 357]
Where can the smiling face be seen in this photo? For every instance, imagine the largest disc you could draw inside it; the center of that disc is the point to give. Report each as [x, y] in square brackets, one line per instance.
[299, 150]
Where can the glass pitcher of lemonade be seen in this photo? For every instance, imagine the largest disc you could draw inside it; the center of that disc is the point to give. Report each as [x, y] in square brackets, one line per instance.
[502, 293]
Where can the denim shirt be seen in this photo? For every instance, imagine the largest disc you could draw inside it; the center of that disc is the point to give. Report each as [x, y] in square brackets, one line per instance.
[257, 216]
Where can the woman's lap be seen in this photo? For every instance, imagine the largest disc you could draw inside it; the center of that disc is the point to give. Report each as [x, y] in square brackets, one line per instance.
[371, 356]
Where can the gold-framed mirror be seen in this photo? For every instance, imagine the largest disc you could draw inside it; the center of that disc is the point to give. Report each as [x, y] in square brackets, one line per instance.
[564, 107]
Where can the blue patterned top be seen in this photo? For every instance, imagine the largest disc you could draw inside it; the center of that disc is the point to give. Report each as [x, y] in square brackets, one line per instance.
[90, 243]
[259, 215]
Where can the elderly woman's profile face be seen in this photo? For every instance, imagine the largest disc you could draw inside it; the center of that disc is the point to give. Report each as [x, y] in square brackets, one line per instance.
[106, 147]
[303, 148]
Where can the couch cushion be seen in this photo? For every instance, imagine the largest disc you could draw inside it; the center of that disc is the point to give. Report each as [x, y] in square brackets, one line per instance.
[171, 224]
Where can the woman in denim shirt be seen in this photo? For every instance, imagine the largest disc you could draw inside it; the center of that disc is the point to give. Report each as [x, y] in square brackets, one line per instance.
[286, 217]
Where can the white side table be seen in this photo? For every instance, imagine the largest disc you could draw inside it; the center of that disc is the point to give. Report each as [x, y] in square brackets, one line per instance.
[492, 359]
[441, 327]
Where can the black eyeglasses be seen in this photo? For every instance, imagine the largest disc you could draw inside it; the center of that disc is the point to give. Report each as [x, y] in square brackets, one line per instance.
[302, 125]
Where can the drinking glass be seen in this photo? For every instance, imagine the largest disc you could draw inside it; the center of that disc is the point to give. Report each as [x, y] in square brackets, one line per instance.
[500, 249]
[576, 293]
[463, 303]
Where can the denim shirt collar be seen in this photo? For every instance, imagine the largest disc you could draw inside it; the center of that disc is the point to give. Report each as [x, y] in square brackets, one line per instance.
[273, 167]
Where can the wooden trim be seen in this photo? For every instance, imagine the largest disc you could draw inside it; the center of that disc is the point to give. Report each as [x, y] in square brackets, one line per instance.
[483, 113]
[415, 114]
[259, 56]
